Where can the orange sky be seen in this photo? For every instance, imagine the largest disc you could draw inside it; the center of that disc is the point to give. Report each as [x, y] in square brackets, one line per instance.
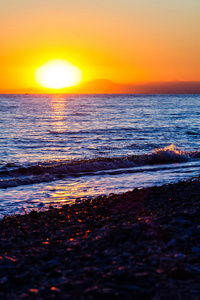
[125, 41]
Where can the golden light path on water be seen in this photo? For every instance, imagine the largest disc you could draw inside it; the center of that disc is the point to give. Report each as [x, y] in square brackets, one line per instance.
[58, 104]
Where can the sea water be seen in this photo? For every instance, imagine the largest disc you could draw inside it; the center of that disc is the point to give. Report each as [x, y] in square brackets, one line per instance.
[57, 148]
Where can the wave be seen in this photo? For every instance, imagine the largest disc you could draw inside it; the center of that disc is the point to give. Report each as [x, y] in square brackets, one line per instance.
[51, 171]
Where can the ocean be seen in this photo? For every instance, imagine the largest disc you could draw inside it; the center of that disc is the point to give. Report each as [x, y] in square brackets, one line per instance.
[58, 149]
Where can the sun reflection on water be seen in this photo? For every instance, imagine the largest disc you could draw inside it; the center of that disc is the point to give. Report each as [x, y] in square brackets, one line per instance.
[58, 116]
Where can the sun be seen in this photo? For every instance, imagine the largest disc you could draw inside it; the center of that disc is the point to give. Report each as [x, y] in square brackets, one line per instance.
[58, 74]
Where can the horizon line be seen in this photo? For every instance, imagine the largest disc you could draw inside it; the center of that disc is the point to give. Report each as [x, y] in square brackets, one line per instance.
[106, 86]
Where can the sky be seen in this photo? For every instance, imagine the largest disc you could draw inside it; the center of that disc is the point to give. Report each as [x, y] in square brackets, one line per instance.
[125, 41]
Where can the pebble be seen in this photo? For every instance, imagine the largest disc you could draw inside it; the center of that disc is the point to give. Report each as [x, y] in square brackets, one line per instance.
[179, 255]
[196, 250]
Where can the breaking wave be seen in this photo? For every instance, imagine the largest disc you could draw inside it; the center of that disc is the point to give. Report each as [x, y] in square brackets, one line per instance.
[13, 175]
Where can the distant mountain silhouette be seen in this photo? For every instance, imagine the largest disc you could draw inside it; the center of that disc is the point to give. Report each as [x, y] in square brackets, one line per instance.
[99, 86]
[105, 86]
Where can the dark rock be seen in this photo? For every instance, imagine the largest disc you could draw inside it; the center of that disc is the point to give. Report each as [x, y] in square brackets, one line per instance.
[33, 214]
[196, 250]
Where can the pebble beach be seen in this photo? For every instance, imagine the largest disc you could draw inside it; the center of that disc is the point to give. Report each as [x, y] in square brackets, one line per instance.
[143, 244]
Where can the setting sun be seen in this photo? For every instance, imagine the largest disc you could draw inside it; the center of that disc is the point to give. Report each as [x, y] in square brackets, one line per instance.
[58, 74]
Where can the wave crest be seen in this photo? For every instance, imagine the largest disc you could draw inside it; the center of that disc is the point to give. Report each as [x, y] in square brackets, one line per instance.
[52, 171]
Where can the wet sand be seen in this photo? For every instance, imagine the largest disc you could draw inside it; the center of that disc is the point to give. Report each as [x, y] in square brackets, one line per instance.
[143, 244]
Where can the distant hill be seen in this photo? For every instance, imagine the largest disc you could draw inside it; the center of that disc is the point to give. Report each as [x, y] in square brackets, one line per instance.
[107, 86]
[104, 86]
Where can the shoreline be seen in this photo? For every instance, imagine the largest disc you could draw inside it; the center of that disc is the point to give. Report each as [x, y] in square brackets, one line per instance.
[142, 244]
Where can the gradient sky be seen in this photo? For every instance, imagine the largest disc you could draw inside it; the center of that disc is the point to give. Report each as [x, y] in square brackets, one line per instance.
[125, 41]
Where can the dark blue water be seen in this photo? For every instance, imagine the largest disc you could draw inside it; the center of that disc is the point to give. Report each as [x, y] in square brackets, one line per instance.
[54, 149]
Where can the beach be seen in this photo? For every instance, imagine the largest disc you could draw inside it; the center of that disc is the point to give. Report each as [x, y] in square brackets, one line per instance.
[142, 244]
[100, 150]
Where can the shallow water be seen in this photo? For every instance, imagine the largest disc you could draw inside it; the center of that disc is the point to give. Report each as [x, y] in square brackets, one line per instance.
[54, 149]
